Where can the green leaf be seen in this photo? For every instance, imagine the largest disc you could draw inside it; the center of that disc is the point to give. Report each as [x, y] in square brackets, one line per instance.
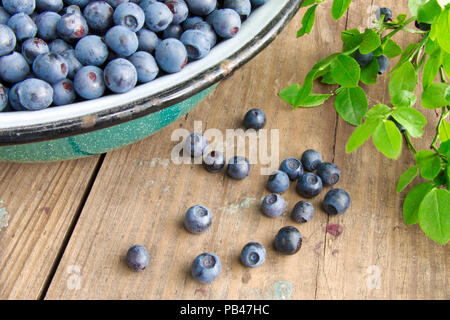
[290, 93]
[404, 78]
[431, 68]
[380, 111]
[369, 73]
[345, 71]
[406, 178]
[436, 95]
[414, 6]
[352, 104]
[327, 78]
[307, 3]
[443, 30]
[447, 176]
[370, 42]
[434, 215]
[388, 139]
[313, 100]
[429, 163]
[406, 55]
[431, 46]
[362, 134]
[446, 63]
[444, 131]
[339, 7]
[351, 38]
[308, 21]
[428, 11]
[444, 149]
[413, 200]
[411, 119]
[391, 49]
[404, 99]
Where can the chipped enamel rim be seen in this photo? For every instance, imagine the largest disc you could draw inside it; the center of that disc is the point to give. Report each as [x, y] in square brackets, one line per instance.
[257, 32]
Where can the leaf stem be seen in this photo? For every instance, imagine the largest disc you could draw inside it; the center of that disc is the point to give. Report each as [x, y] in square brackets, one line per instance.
[409, 142]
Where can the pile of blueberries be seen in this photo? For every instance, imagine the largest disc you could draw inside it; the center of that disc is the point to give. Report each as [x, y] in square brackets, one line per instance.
[288, 241]
[55, 52]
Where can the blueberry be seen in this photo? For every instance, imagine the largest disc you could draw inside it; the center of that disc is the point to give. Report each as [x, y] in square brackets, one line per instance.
[130, 15]
[206, 28]
[311, 159]
[13, 67]
[201, 7]
[238, 167]
[72, 62]
[3, 97]
[88, 82]
[13, 98]
[206, 268]
[4, 16]
[98, 15]
[257, 3]
[148, 40]
[63, 92]
[122, 40]
[116, 3]
[23, 26]
[179, 10]
[363, 59]
[383, 64]
[16, 6]
[336, 201]
[158, 16]
[50, 67]
[7, 40]
[423, 26]
[173, 31]
[33, 47]
[72, 26]
[197, 219]
[145, 65]
[303, 212]
[253, 254]
[120, 75]
[137, 258]
[329, 173]
[273, 205]
[49, 5]
[292, 167]
[255, 119]
[226, 23]
[214, 161]
[59, 46]
[171, 55]
[242, 7]
[144, 3]
[309, 185]
[195, 145]
[191, 21]
[46, 23]
[73, 8]
[91, 50]
[278, 182]
[288, 240]
[34, 94]
[79, 3]
[386, 12]
[197, 43]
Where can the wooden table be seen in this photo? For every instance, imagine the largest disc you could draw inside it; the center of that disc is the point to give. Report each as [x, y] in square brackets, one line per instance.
[72, 222]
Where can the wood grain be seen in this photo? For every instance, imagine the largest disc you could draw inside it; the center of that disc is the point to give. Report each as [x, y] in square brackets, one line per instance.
[42, 201]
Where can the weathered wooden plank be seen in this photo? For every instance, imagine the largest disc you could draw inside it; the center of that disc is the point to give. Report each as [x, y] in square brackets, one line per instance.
[140, 196]
[42, 201]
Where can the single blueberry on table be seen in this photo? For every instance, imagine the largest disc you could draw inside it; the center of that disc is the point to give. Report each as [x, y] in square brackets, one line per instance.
[137, 258]
[309, 185]
[197, 219]
[386, 12]
[195, 145]
[148, 40]
[255, 119]
[34, 94]
[226, 23]
[363, 59]
[130, 15]
[238, 168]
[59, 46]
[303, 212]
[13, 67]
[173, 31]
[288, 240]
[49, 5]
[120, 75]
[383, 64]
[311, 159]
[336, 201]
[201, 7]
[16, 6]
[197, 43]
[23, 26]
[206, 267]
[242, 7]
[72, 26]
[292, 167]
[72, 62]
[145, 65]
[50, 67]
[214, 161]
[329, 173]
[171, 55]
[46, 23]
[122, 40]
[33, 47]
[278, 182]
[63, 92]
[7, 40]
[179, 10]
[253, 254]
[98, 15]
[88, 82]
[91, 51]
[273, 205]
[158, 16]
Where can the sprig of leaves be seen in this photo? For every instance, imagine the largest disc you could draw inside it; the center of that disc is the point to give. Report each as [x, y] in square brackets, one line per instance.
[428, 203]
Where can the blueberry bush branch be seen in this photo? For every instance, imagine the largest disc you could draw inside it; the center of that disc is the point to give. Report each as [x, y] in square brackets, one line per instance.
[365, 55]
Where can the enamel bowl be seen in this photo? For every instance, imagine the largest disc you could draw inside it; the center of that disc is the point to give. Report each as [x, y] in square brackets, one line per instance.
[97, 126]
